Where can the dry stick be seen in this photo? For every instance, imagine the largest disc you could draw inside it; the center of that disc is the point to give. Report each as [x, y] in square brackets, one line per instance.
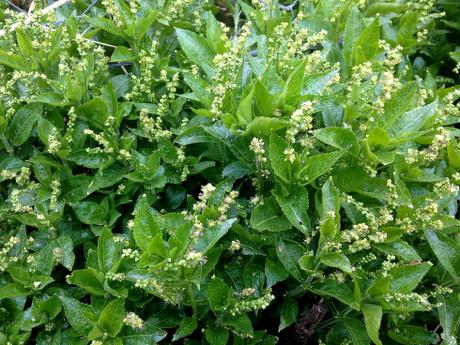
[17, 8]
[52, 7]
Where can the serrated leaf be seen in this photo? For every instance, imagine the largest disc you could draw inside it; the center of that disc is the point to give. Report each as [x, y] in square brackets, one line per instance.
[446, 250]
[145, 228]
[406, 278]
[107, 251]
[372, 319]
[213, 234]
[23, 122]
[88, 279]
[268, 217]
[218, 294]
[317, 165]
[80, 316]
[289, 311]
[278, 161]
[216, 335]
[197, 50]
[337, 260]
[122, 54]
[274, 272]
[186, 327]
[111, 317]
[294, 206]
[414, 119]
[357, 331]
[289, 253]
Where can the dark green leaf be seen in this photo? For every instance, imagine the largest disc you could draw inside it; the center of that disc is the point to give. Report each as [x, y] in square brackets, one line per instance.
[289, 312]
[80, 316]
[268, 217]
[186, 327]
[289, 253]
[197, 50]
[446, 250]
[372, 318]
[111, 317]
[294, 206]
[23, 122]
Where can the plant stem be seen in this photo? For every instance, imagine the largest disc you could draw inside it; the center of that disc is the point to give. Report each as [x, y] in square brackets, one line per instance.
[191, 295]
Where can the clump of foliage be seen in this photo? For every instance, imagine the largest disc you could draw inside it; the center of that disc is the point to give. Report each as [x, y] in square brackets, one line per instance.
[229, 173]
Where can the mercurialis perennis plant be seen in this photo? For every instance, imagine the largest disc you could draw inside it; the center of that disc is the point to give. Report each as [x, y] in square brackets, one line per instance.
[231, 172]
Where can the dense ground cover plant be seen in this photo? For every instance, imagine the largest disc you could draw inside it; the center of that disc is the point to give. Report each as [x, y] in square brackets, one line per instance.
[229, 173]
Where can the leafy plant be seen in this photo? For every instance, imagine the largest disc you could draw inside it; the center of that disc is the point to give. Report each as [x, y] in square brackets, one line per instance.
[228, 173]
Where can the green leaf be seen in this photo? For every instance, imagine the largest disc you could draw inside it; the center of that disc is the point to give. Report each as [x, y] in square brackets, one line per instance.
[122, 54]
[278, 161]
[268, 217]
[95, 111]
[46, 128]
[262, 125]
[90, 212]
[46, 308]
[213, 234]
[244, 111]
[145, 228]
[80, 316]
[413, 120]
[453, 154]
[107, 177]
[289, 253]
[75, 188]
[200, 89]
[357, 331]
[13, 290]
[107, 251]
[106, 25]
[23, 122]
[446, 250]
[401, 101]
[318, 165]
[366, 46]
[238, 324]
[294, 83]
[24, 42]
[340, 138]
[218, 294]
[342, 292]
[265, 102]
[274, 272]
[294, 206]
[337, 260]
[14, 61]
[88, 279]
[449, 317]
[111, 317]
[237, 169]
[399, 248]
[406, 278]
[353, 28]
[372, 319]
[216, 335]
[144, 23]
[65, 243]
[413, 335]
[385, 8]
[289, 311]
[149, 334]
[186, 327]
[197, 50]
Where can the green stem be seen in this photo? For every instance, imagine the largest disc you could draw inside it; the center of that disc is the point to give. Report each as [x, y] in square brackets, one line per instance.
[6, 144]
[191, 295]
